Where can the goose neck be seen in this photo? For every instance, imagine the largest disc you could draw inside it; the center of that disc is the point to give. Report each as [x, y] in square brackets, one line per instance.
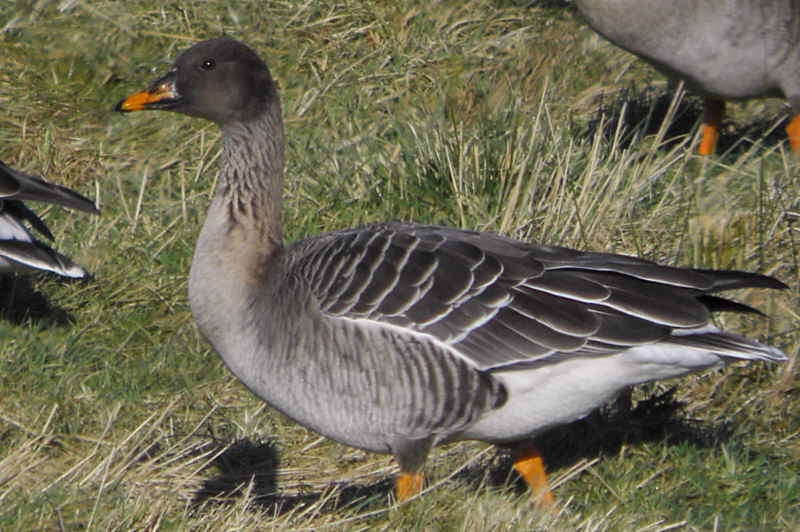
[251, 178]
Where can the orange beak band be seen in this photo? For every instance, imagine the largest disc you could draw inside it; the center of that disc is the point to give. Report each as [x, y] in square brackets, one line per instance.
[162, 95]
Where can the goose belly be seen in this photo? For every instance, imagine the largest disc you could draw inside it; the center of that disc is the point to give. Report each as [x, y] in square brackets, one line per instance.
[557, 394]
[725, 76]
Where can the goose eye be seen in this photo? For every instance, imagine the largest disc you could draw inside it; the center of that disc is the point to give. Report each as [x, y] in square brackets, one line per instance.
[208, 64]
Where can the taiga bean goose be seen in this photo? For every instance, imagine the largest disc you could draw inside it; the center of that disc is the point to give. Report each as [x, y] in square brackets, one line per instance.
[19, 250]
[398, 337]
[722, 49]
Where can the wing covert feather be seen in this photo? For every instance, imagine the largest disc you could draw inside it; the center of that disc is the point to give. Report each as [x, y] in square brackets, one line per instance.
[501, 302]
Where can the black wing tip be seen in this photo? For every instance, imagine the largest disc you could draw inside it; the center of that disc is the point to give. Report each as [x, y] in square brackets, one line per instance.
[76, 201]
[79, 203]
[770, 282]
[720, 304]
[54, 193]
[732, 279]
[93, 209]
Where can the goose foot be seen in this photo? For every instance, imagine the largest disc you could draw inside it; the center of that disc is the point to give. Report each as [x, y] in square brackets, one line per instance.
[408, 485]
[712, 120]
[793, 130]
[528, 462]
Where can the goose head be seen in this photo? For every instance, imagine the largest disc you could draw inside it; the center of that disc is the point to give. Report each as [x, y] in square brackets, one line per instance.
[221, 80]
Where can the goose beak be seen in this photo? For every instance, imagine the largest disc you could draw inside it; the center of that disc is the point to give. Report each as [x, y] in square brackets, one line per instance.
[162, 95]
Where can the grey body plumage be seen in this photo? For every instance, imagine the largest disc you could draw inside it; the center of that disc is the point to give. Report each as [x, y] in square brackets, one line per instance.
[730, 49]
[397, 323]
[722, 49]
[397, 337]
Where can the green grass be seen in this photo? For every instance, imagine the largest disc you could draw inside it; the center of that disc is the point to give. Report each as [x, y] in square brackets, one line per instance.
[115, 414]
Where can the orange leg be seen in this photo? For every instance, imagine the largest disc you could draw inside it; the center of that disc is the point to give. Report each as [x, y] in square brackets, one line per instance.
[793, 130]
[530, 465]
[408, 485]
[712, 119]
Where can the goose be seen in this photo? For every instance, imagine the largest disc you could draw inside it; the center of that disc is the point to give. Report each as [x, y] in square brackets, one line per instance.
[399, 337]
[722, 49]
[20, 251]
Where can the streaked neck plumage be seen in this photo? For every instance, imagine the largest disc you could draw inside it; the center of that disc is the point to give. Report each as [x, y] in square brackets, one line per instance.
[250, 188]
[242, 233]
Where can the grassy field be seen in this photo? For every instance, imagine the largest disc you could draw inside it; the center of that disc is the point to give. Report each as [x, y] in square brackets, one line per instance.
[501, 115]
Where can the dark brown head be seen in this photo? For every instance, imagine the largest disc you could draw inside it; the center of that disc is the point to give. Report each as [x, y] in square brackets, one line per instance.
[222, 80]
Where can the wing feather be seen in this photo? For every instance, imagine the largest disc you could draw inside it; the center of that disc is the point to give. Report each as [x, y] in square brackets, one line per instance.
[503, 303]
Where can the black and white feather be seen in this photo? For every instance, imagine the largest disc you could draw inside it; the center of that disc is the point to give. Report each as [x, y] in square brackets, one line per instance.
[20, 251]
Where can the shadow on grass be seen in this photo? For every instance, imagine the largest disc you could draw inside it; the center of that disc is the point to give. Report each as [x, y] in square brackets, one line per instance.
[550, 4]
[21, 303]
[640, 113]
[252, 467]
[244, 463]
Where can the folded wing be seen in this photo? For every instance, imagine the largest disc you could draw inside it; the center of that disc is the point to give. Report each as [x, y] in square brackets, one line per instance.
[499, 303]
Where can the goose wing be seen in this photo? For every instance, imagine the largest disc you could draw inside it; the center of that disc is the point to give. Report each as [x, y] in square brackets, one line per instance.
[21, 186]
[499, 302]
[20, 251]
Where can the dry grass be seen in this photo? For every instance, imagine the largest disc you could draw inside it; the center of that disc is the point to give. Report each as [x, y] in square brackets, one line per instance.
[115, 415]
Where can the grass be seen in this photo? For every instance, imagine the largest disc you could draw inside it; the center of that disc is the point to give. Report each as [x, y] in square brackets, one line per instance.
[495, 115]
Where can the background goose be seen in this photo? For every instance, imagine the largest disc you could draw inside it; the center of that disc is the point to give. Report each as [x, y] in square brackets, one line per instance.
[722, 49]
[20, 251]
[398, 337]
